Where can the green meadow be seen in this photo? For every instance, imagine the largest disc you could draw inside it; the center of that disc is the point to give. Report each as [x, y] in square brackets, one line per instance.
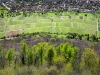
[64, 22]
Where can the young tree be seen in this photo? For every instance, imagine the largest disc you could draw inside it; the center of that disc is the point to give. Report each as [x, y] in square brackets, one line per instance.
[89, 60]
[42, 48]
[68, 51]
[50, 55]
[59, 49]
[2, 57]
[10, 56]
[36, 55]
[30, 57]
[40, 52]
[23, 53]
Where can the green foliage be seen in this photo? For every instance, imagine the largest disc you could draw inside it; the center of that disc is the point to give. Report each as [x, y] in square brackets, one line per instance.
[36, 55]
[59, 61]
[42, 56]
[38, 37]
[53, 40]
[30, 57]
[23, 52]
[46, 59]
[89, 60]
[59, 49]
[40, 52]
[68, 69]
[50, 55]
[68, 51]
[10, 56]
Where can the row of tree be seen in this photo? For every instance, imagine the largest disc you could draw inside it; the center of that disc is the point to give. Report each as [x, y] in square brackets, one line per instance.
[44, 53]
[88, 37]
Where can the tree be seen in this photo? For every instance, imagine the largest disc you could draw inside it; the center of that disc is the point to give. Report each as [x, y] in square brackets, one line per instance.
[23, 53]
[50, 55]
[41, 52]
[59, 49]
[30, 57]
[36, 55]
[68, 51]
[10, 56]
[43, 49]
[2, 57]
[89, 60]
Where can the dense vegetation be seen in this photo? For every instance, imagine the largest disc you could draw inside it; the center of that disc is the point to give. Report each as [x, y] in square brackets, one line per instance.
[46, 59]
[87, 37]
[49, 58]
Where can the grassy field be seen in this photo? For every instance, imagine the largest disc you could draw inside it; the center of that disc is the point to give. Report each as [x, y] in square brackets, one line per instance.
[66, 22]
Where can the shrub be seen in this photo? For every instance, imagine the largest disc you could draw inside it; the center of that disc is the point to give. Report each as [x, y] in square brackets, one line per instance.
[59, 61]
[50, 71]
[89, 60]
[7, 71]
[38, 37]
[10, 56]
[53, 40]
[67, 70]
[24, 71]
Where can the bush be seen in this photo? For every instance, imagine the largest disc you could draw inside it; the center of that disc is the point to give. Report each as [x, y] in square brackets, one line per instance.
[38, 37]
[50, 71]
[89, 60]
[24, 71]
[59, 61]
[53, 40]
[7, 71]
[67, 70]
[10, 56]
